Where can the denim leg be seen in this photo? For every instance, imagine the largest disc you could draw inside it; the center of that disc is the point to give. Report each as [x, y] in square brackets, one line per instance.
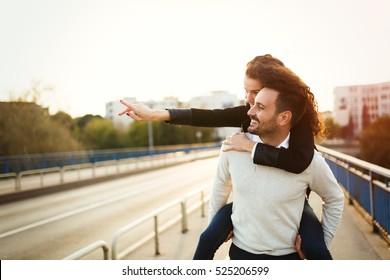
[215, 234]
[313, 243]
[236, 253]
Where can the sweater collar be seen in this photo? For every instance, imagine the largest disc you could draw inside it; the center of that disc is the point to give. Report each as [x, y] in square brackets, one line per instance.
[256, 138]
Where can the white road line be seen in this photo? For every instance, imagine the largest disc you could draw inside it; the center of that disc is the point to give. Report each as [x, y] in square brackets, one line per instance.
[74, 212]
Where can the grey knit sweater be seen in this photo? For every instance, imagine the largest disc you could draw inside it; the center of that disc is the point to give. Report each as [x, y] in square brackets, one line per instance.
[268, 202]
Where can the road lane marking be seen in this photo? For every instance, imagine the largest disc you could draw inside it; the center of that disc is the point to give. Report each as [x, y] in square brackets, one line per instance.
[74, 212]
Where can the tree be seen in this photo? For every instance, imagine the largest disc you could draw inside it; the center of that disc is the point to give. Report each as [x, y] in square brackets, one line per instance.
[83, 121]
[193, 134]
[65, 120]
[36, 94]
[26, 128]
[99, 134]
[333, 130]
[163, 134]
[79, 125]
[365, 117]
[347, 132]
[374, 142]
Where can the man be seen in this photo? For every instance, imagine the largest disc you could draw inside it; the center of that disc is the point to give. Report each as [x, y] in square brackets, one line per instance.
[268, 202]
[295, 159]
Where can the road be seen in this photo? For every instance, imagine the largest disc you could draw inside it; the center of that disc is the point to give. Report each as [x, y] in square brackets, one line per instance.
[54, 226]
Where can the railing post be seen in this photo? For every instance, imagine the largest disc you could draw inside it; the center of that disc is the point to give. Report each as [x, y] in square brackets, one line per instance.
[349, 182]
[18, 186]
[372, 205]
[94, 170]
[156, 236]
[41, 178]
[202, 203]
[62, 171]
[83, 252]
[184, 226]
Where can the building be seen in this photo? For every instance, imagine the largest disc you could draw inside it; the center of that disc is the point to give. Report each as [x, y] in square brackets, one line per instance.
[216, 100]
[113, 108]
[360, 104]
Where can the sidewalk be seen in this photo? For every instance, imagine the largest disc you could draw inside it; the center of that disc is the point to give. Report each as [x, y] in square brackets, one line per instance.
[353, 241]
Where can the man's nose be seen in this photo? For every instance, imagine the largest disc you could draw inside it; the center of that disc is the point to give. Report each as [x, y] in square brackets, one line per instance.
[250, 113]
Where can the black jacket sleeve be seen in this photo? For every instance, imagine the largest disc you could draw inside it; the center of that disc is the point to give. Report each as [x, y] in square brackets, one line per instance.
[232, 117]
[295, 159]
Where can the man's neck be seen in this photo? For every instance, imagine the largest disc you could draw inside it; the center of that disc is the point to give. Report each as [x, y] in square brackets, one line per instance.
[275, 140]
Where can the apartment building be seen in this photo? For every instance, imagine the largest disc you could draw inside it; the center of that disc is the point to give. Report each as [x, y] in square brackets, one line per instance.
[361, 103]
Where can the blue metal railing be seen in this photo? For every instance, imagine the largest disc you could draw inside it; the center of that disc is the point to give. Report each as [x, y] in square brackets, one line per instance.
[18, 163]
[367, 185]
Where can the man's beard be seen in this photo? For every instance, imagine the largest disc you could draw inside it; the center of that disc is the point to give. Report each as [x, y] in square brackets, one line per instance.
[263, 129]
[255, 129]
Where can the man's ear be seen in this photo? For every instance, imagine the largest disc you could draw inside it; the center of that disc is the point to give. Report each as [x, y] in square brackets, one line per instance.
[284, 118]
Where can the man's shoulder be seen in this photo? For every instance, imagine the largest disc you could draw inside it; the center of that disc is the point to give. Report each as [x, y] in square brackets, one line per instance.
[234, 156]
[318, 160]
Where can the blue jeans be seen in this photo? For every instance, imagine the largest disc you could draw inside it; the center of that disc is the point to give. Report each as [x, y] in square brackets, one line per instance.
[236, 253]
[312, 234]
[215, 234]
[313, 244]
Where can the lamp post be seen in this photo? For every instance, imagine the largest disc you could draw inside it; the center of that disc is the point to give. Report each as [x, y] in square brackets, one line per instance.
[150, 136]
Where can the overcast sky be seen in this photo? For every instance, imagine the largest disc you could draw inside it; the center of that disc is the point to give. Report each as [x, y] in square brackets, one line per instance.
[93, 52]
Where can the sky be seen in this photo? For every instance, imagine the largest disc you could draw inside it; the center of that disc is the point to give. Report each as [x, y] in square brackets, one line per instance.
[91, 52]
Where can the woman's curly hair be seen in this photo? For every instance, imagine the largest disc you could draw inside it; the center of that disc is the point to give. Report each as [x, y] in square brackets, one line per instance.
[294, 94]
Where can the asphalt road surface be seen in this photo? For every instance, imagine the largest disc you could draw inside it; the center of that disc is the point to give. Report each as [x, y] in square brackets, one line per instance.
[51, 227]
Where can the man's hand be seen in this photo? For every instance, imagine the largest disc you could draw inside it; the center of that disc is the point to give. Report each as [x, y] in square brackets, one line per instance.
[141, 112]
[298, 245]
[238, 142]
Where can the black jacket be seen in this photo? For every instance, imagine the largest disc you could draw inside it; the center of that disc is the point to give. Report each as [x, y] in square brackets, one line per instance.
[295, 159]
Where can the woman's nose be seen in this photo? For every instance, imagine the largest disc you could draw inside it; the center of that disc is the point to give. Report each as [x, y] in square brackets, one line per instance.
[251, 99]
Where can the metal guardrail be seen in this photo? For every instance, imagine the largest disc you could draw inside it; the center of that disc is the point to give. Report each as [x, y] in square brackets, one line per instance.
[18, 163]
[185, 211]
[159, 229]
[130, 164]
[367, 185]
[92, 247]
[40, 172]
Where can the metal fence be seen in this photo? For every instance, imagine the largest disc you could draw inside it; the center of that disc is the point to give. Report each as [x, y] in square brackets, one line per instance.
[56, 176]
[19, 163]
[367, 185]
[201, 196]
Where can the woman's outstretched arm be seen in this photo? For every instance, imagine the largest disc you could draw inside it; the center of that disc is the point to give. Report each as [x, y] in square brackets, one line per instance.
[295, 159]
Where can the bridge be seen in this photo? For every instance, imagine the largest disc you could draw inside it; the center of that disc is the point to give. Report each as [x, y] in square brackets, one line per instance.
[153, 207]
